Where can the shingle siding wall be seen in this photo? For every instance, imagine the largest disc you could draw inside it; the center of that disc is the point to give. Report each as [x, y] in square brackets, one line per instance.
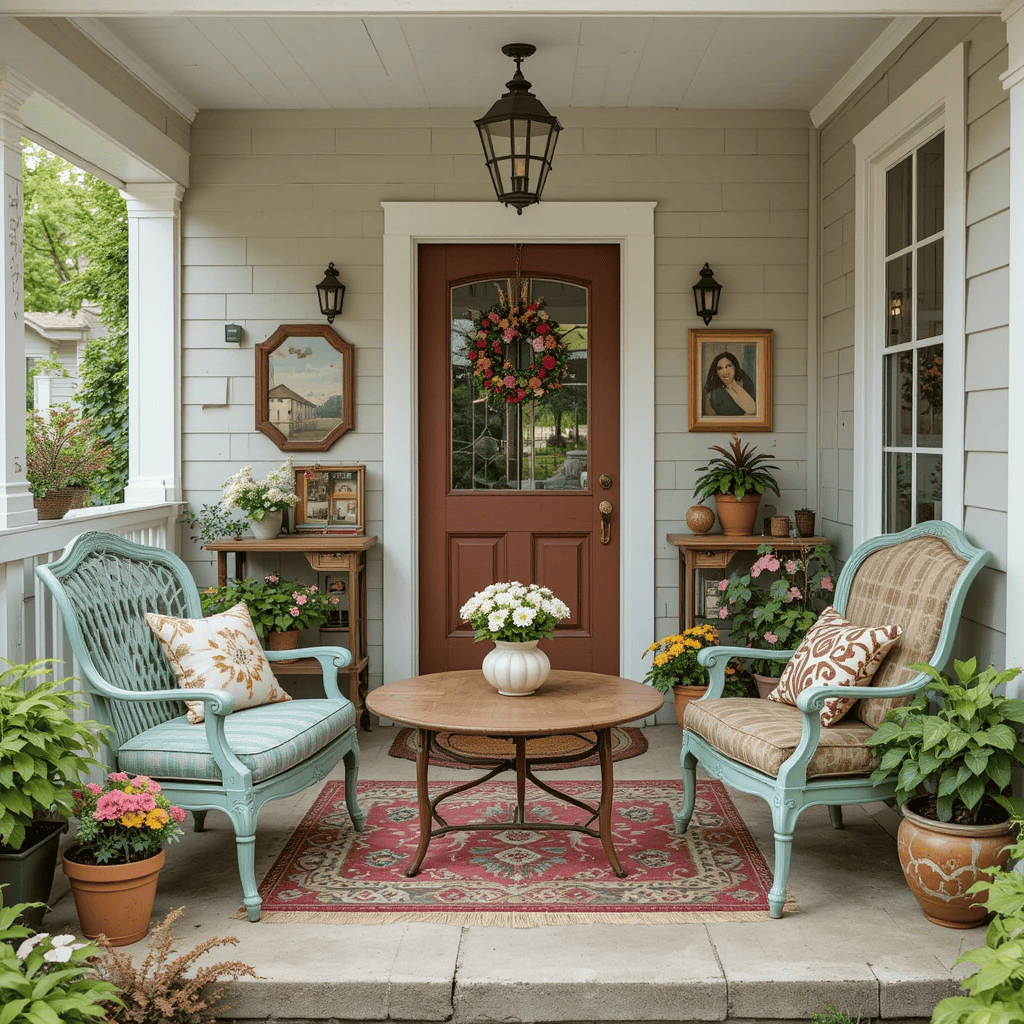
[987, 284]
[276, 195]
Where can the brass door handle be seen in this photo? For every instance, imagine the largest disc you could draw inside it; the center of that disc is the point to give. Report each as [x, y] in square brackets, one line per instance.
[605, 508]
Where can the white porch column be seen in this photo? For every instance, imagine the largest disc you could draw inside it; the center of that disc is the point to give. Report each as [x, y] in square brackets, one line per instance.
[1013, 82]
[154, 342]
[16, 507]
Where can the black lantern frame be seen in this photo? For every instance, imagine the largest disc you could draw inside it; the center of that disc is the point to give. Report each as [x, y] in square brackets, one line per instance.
[331, 294]
[518, 135]
[706, 293]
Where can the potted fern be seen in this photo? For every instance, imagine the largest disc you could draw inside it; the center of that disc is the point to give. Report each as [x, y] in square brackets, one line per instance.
[44, 753]
[736, 481]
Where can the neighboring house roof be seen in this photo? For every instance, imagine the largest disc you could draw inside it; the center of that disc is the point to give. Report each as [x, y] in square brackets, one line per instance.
[283, 391]
[63, 327]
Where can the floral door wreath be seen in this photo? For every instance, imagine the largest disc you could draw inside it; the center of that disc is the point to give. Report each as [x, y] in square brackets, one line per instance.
[504, 325]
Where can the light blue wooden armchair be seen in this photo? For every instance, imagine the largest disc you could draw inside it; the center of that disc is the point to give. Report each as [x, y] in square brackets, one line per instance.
[918, 579]
[103, 586]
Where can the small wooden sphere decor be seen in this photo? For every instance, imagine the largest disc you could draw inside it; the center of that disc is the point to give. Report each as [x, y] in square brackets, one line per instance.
[700, 518]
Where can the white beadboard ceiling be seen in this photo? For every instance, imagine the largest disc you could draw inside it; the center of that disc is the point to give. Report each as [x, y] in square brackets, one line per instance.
[340, 61]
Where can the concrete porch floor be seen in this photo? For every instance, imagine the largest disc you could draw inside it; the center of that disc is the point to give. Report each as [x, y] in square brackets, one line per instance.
[859, 940]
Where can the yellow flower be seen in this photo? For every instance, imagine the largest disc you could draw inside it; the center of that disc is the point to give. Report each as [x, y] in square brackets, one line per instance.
[157, 818]
[660, 660]
[133, 819]
[692, 643]
[676, 649]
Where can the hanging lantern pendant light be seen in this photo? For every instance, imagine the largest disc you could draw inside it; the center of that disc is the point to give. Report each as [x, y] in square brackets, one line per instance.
[518, 135]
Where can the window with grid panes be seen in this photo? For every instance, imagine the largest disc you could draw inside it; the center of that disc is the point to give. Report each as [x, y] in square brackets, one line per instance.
[913, 351]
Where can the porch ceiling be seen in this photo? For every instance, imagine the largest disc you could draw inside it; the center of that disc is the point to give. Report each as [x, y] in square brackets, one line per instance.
[344, 61]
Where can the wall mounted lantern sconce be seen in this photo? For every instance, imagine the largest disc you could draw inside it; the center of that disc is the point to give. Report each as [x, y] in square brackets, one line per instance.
[706, 293]
[331, 293]
[518, 135]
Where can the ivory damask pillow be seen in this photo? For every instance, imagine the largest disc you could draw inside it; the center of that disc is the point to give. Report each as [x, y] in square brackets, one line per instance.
[220, 652]
[835, 652]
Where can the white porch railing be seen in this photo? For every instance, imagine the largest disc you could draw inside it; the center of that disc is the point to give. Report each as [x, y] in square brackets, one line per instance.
[30, 626]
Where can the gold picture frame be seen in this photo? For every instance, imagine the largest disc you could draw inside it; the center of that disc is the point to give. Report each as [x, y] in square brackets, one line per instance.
[730, 380]
[331, 499]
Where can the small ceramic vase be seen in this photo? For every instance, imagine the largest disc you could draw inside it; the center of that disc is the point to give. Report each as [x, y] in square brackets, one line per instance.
[267, 528]
[516, 668]
[700, 518]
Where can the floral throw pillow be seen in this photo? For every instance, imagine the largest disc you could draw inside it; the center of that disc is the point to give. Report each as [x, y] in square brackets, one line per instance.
[221, 652]
[835, 652]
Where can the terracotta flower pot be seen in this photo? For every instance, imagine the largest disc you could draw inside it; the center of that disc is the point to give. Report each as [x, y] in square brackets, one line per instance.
[115, 900]
[942, 860]
[765, 684]
[737, 517]
[287, 640]
[682, 695]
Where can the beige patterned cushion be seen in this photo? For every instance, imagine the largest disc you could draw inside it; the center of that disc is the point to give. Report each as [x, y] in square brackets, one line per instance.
[909, 583]
[221, 652]
[764, 734]
[835, 653]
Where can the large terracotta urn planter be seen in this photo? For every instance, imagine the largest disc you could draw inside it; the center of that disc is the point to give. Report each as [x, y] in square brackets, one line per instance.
[737, 517]
[682, 695]
[115, 900]
[942, 860]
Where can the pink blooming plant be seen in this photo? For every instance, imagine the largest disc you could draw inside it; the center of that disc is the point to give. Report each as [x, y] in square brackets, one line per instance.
[776, 601]
[274, 604]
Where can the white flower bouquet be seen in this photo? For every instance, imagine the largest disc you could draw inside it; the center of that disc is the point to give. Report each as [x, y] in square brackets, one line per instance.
[258, 498]
[514, 612]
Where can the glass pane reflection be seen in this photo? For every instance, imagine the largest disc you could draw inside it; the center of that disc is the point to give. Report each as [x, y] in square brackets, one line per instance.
[929, 290]
[929, 396]
[898, 424]
[899, 206]
[929, 488]
[899, 308]
[930, 198]
[534, 444]
[896, 491]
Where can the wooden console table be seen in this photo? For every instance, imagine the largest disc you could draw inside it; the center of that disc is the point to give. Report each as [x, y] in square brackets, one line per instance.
[716, 551]
[325, 553]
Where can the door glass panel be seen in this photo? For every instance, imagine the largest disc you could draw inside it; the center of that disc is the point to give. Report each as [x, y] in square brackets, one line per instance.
[899, 308]
[898, 425]
[929, 290]
[896, 491]
[540, 441]
[929, 488]
[929, 397]
[899, 198]
[930, 192]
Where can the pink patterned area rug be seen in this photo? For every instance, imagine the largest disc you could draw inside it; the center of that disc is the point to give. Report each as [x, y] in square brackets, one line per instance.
[516, 877]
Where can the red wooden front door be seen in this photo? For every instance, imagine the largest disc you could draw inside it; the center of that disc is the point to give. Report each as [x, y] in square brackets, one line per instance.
[512, 491]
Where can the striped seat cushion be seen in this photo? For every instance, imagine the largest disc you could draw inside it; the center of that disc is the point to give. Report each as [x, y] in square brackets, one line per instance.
[764, 734]
[268, 740]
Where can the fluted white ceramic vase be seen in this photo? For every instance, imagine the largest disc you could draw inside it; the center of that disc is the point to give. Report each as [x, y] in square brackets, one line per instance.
[516, 668]
[267, 528]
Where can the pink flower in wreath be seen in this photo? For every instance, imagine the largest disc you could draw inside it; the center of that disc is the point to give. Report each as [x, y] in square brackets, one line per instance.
[481, 344]
[497, 347]
[493, 317]
[510, 381]
[543, 328]
[509, 333]
[549, 362]
[771, 637]
[537, 344]
[532, 307]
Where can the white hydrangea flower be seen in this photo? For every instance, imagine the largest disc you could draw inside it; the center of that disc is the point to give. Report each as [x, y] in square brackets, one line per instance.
[496, 620]
[524, 616]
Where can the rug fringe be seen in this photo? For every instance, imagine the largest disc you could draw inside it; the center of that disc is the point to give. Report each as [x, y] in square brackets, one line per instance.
[511, 920]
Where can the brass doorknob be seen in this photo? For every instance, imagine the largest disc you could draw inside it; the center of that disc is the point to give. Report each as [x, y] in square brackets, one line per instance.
[605, 508]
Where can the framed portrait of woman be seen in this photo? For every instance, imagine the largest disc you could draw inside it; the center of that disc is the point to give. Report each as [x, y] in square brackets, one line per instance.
[730, 380]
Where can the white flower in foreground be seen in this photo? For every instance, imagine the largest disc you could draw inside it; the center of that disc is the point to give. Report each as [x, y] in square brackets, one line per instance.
[524, 616]
[63, 947]
[29, 944]
[496, 620]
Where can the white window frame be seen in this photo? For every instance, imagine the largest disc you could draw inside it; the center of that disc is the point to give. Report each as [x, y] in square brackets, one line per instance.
[934, 103]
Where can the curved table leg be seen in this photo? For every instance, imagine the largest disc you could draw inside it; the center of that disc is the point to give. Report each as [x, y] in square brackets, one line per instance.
[520, 816]
[426, 739]
[604, 818]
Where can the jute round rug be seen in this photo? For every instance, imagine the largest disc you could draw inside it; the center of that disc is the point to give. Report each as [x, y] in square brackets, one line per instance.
[626, 742]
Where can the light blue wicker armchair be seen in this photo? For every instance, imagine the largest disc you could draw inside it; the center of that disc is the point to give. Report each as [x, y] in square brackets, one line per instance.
[103, 586]
[917, 579]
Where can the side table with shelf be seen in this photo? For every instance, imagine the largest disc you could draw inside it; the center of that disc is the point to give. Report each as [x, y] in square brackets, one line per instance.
[325, 553]
[715, 551]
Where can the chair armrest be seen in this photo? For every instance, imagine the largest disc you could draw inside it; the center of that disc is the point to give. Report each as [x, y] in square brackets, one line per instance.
[714, 659]
[332, 660]
[219, 702]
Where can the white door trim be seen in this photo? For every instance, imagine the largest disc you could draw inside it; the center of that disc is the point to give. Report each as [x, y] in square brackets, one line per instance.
[631, 226]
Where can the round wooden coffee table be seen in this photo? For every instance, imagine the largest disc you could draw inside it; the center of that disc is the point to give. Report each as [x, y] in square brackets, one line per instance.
[464, 702]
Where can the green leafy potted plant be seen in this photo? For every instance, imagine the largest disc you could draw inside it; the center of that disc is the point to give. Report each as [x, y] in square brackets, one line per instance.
[63, 455]
[212, 522]
[44, 753]
[953, 769]
[736, 481]
[279, 608]
[48, 978]
[775, 603]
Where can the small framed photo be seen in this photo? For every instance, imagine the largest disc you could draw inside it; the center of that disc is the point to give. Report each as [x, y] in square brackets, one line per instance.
[331, 499]
[712, 599]
[730, 380]
[335, 587]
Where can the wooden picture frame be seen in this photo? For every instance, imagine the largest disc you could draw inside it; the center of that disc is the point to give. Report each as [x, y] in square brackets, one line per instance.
[739, 401]
[331, 499]
[305, 397]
